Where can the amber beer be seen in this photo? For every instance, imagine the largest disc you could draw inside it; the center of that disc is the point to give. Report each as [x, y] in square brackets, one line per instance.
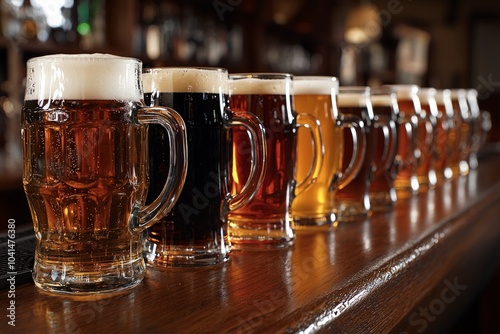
[353, 202]
[463, 122]
[441, 150]
[265, 222]
[316, 205]
[408, 155]
[83, 128]
[194, 232]
[427, 132]
[385, 108]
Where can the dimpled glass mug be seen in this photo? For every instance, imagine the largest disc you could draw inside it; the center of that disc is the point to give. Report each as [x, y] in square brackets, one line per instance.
[83, 130]
[316, 205]
[265, 222]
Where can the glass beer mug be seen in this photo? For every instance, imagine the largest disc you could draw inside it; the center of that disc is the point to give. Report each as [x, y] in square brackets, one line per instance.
[194, 232]
[83, 129]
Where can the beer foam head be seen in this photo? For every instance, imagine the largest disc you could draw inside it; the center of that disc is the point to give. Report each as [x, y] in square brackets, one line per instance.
[315, 85]
[185, 80]
[382, 100]
[353, 96]
[442, 96]
[83, 77]
[404, 91]
[260, 84]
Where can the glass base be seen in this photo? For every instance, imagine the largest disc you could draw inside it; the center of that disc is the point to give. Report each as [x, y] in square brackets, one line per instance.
[350, 211]
[313, 221]
[82, 279]
[183, 257]
[250, 234]
[383, 201]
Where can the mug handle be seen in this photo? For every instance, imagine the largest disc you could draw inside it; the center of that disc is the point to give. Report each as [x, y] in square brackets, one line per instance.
[428, 125]
[258, 149]
[356, 126]
[388, 128]
[145, 216]
[310, 122]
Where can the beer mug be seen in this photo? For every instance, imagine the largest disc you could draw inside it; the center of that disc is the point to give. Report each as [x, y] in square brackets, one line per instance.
[353, 201]
[194, 232]
[437, 99]
[386, 111]
[463, 122]
[264, 222]
[83, 131]
[317, 95]
[475, 116]
[410, 143]
[427, 133]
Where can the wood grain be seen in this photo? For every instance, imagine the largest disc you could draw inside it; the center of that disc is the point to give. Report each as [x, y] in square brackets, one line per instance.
[374, 276]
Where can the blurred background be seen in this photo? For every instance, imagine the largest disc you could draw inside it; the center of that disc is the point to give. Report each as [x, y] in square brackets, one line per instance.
[443, 44]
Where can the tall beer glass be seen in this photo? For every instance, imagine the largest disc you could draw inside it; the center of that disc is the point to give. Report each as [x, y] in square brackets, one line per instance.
[194, 232]
[353, 202]
[443, 126]
[264, 222]
[317, 95]
[409, 155]
[85, 174]
[427, 133]
[459, 135]
[475, 127]
[385, 108]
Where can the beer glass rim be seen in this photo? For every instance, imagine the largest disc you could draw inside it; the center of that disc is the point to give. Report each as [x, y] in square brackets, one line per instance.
[354, 89]
[261, 75]
[427, 91]
[315, 85]
[316, 77]
[405, 91]
[81, 57]
[188, 79]
[83, 76]
[184, 68]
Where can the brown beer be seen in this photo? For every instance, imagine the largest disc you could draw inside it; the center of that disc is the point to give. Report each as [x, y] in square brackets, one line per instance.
[426, 137]
[85, 175]
[353, 202]
[462, 112]
[84, 172]
[441, 148]
[382, 191]
[264, 221]
[454, 138]
[406, 181]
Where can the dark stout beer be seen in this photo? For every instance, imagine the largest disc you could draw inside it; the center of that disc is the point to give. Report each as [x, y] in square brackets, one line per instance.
[194, 232]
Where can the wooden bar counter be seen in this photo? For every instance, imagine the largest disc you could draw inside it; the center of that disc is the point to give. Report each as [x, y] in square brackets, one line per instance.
[411, 270]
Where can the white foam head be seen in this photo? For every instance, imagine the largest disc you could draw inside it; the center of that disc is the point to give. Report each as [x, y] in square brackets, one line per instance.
[442, 96]
[353, 96]
[315, 85]
[406, 92]
[260, 84]
[83, 77]
[382, 100]
[185, 80]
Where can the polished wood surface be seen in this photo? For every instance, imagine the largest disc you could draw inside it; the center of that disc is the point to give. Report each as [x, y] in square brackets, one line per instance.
[407, 270]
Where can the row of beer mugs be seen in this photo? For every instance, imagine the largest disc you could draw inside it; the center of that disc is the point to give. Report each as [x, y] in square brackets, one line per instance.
[180, 165]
